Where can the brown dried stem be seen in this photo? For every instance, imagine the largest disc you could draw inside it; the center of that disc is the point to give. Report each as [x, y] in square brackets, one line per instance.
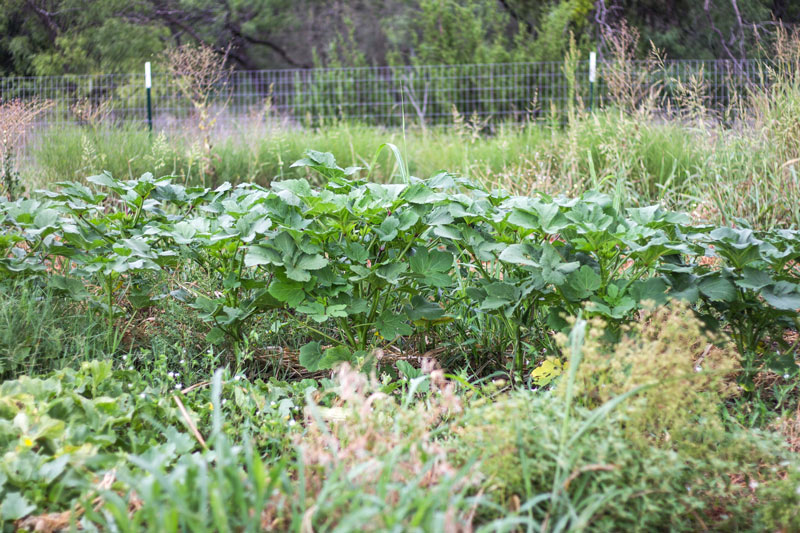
[16, 117]
[200, 75]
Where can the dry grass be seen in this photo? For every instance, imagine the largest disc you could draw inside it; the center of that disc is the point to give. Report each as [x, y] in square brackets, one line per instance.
[370, 435]
[91, 113]
[789, 427]
[686, 373]
[200, 74]
[16, 119]
[631, 84]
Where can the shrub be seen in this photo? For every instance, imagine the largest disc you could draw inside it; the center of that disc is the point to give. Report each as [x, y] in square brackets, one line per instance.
[684, 372]
[564, 460]
[379, 461]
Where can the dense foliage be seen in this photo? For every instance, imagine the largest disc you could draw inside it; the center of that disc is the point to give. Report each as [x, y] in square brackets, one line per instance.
[106, 446]
[642, 348]
[51, 37]
[356, 265]
[536, 341]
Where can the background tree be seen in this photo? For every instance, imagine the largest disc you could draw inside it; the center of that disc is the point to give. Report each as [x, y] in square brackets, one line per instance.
[39, 37]
[49, 37]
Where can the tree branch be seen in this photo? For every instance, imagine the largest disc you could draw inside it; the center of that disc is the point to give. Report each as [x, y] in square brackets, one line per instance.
[519, 18]
[602, 13]
[236, 32]
[53, 29]
[735, 5]
[707, 9]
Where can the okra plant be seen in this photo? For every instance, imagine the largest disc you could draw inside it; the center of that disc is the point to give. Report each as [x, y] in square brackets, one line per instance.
[356, 265]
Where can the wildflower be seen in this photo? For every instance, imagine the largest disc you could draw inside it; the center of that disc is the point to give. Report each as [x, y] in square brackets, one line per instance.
[27, 442]
[142, 396]
[210, 406]
[292, 423]
[273, 405]
[178, 386]
[130, 385]
[698, 368]
[753, 484]
[124, 357]
[130, 367]
[237, 378]
[170, 375]
[183, 361]
[786, 376]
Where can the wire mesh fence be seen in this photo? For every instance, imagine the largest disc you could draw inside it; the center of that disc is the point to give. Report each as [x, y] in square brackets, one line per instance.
[387, 96]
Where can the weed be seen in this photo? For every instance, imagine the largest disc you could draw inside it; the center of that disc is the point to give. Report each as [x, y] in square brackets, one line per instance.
[693, 374]
[16, 118]
[200, 74]
[41, 332]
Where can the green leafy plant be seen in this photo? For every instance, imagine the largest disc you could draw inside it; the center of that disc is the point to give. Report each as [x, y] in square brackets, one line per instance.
[354, 265]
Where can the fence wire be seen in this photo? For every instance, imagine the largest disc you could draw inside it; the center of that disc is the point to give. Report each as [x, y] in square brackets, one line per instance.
[386, 96]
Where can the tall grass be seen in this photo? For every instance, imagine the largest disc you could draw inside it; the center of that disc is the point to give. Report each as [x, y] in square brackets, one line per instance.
[439, 458]
[40, 332]
[721, 174]
[738, 166]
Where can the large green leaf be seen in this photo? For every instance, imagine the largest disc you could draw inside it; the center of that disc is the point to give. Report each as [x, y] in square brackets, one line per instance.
[783, 295]
[321, 313]
[428, 262]
[356, 252]
[499, 294]
[754, 279]
[717, 288]
[651, 289]
[524, 219]
[554, 269]
[519, 254]
[387, 231]
[739, 246]
[299, 271]
[15, 506]
[298, 187]
[73, 287]
[582, 283]
[424, 310]
[419, 193]
[287, 291]
[391, 272]
[313, 358]
[106, 180]
[392, 324]
[311, 262]
[550, 218]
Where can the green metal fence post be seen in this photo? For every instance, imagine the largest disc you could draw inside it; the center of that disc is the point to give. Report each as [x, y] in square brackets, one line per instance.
[147, 85]
[592, 77]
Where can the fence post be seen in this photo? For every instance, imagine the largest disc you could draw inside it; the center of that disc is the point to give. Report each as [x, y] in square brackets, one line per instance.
[147, 85]
[592, 77]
